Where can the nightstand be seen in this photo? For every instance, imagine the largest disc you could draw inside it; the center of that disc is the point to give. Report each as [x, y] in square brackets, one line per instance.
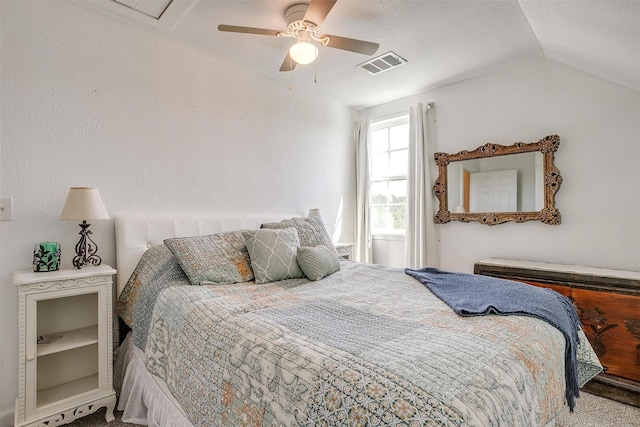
[345, 250]
[65, 347]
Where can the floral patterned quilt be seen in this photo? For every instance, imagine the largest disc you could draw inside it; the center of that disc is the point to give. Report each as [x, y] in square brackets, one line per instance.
[367, 345]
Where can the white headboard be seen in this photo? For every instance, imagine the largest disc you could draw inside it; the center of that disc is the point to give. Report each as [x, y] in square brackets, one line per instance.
[137, 232]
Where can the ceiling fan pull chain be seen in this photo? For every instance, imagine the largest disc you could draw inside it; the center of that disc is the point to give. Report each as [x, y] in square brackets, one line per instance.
[291, 74]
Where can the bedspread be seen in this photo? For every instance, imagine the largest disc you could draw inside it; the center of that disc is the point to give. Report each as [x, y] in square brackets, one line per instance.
[367, 345]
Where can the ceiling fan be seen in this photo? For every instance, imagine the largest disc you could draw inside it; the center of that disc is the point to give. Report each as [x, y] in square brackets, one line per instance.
[303, 24]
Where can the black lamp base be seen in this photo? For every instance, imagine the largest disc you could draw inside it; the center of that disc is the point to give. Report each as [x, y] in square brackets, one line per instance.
[86, 249]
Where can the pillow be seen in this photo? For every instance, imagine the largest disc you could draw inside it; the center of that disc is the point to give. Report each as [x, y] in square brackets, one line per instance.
[317, 262]
[154, 261]
[218, 258]
[273, 254]
[311, 232]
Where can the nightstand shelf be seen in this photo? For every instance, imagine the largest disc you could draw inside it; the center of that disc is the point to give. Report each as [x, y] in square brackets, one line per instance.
[69, 340]
[66, 390]
[65, 345]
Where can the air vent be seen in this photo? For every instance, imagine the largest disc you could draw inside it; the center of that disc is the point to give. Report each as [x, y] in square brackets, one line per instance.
[383, 63]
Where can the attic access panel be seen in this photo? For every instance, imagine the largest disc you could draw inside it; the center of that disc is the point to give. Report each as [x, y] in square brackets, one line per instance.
[152, 8]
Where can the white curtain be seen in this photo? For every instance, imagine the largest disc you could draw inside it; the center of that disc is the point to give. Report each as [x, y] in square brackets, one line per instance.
[422, 239]
[363, 231]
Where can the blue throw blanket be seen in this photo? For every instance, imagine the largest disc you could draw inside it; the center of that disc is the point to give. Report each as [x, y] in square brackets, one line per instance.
[475, 295]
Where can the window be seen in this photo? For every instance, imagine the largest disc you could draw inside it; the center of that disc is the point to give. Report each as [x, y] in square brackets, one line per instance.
[388, 175]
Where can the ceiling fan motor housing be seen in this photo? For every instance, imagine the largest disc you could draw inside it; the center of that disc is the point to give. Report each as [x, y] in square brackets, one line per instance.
[295, 13]
[296, 23]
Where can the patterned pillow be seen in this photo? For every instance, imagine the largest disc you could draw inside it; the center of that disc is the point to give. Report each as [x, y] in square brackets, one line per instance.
[153, 262]
[218, 258]
[311, 232]
[317, 262]
[273, 254]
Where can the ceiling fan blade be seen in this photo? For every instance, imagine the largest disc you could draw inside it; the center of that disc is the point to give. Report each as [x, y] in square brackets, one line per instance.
[353, 45]
[288, 64]
[318, 10]
[247, 30]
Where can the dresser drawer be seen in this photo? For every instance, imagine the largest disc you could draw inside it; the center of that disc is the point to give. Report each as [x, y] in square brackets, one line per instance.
[611, 321]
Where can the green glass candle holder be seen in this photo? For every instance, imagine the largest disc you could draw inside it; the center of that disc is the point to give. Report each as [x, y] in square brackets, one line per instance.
[46, 256]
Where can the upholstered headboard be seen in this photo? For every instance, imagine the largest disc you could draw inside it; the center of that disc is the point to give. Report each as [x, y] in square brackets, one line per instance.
[137, 232]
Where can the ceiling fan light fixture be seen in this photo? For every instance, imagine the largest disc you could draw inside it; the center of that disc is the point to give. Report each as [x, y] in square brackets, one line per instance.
[303, 52]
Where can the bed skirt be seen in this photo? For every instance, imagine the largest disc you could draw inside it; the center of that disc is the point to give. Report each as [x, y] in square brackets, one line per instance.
[144, 398]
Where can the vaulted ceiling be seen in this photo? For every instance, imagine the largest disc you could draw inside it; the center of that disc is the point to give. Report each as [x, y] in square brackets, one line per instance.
[443, 41]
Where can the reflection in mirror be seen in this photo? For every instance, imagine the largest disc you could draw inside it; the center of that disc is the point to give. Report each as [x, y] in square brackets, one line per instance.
[495, 183]
[513, 183]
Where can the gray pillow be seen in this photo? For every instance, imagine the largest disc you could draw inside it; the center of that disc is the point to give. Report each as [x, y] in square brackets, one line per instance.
[273, 254]
[218, 258]
[311, 232]
[317, 262]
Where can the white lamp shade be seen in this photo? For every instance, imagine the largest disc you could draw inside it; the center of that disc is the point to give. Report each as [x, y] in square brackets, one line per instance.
[83, 203]
[303, 52]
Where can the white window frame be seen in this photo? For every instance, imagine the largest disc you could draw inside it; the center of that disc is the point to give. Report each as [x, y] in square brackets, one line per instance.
[377, 124]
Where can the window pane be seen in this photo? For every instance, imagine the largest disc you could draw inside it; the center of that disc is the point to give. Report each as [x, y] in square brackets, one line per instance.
[398, 214]
[398, 191]
[399, 136]
[379, 193]
[398, 162]
[379, 140]
[379, 216]
[380, 165]
[389, 159]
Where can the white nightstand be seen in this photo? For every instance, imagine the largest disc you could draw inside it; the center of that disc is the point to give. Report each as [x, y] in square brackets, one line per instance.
[68, 374]
[345, 250]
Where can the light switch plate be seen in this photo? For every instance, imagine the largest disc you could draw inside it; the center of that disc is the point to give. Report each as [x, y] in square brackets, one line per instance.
[6, 209]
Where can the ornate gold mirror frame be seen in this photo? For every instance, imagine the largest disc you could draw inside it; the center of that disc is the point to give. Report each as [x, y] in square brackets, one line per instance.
[552, 180]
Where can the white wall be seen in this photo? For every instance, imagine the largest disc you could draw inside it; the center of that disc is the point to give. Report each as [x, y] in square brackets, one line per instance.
[89, 101]
[599, 199]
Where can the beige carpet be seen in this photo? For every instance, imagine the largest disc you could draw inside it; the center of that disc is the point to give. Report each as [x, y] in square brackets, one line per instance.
[591, 411]
[596, 411]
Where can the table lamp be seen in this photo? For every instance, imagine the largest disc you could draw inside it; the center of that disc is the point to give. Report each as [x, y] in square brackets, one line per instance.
[83, 204]
[317, 214]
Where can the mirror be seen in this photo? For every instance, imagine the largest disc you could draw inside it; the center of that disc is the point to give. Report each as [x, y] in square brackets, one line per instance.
[496, 183]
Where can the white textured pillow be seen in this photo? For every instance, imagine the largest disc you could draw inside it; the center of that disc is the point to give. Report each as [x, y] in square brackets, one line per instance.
[273, 254]
[317, 262]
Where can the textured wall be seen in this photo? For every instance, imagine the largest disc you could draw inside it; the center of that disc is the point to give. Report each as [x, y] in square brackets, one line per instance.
[156, 126]
[598, 123]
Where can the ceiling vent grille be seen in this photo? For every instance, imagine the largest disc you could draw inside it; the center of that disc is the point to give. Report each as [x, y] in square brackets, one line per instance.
[383, 63]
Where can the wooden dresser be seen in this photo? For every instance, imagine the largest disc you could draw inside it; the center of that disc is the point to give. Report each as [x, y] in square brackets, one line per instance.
[608, 304]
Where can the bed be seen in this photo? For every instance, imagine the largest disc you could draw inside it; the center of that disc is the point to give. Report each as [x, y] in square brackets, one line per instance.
[362, 345]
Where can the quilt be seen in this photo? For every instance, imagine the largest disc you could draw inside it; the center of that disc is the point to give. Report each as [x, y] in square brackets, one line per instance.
[477, 295]
[367, 345]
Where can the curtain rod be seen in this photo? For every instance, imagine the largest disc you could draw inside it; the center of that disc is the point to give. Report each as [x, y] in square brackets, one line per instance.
[428, 106]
